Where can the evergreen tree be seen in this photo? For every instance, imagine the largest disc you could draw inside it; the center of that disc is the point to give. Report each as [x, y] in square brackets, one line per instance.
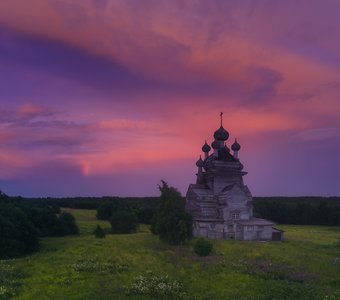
[171, 222]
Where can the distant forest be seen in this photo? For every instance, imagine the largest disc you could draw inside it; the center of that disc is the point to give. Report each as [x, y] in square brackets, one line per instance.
[299, 210]
[282, 210]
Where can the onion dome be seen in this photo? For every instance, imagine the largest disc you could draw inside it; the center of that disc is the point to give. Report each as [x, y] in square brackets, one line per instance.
[215, 145]
[221, 134]
[200, 162]
[206, 148]
[236, 146]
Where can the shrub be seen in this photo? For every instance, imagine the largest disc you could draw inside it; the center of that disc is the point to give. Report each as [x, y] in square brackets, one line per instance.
[203, 247]
[99, 232]
[123, 222]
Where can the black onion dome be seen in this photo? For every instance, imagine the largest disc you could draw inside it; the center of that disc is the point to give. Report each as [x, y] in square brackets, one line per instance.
[236, 146]
[221, 134]
[215, 145]
[206, 148]
[200, 162]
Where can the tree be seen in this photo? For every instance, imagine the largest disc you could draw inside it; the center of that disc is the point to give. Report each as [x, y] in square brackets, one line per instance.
[68, 223]
[123, 221]
[3, 196]
[171, 222]
[18, 236]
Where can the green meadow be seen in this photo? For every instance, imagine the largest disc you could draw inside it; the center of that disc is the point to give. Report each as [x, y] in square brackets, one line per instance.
[139, 266]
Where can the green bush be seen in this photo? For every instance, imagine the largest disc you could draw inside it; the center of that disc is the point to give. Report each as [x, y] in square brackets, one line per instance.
[203, 247]
[99, 232]
[123, 222]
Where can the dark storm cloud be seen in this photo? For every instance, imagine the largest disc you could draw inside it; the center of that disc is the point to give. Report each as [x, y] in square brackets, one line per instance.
[66, 61]
[106, 75]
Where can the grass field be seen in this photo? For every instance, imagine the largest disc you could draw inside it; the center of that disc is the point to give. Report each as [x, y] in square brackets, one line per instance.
[139, 266]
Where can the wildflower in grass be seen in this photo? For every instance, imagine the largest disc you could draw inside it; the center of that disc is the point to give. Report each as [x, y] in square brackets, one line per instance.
[9, 280]
[93, 265]
[156, 286]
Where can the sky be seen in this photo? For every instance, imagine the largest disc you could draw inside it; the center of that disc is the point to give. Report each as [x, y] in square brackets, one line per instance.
[108, 97]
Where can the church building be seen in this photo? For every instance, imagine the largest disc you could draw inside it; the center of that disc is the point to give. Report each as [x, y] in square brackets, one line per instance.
[219, 201]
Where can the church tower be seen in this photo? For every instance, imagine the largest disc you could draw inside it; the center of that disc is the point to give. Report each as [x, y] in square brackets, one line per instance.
[219, 201]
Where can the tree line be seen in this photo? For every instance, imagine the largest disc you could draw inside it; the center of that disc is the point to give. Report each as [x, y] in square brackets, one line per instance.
[299, 210]
[284, 210]
[143, 207]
